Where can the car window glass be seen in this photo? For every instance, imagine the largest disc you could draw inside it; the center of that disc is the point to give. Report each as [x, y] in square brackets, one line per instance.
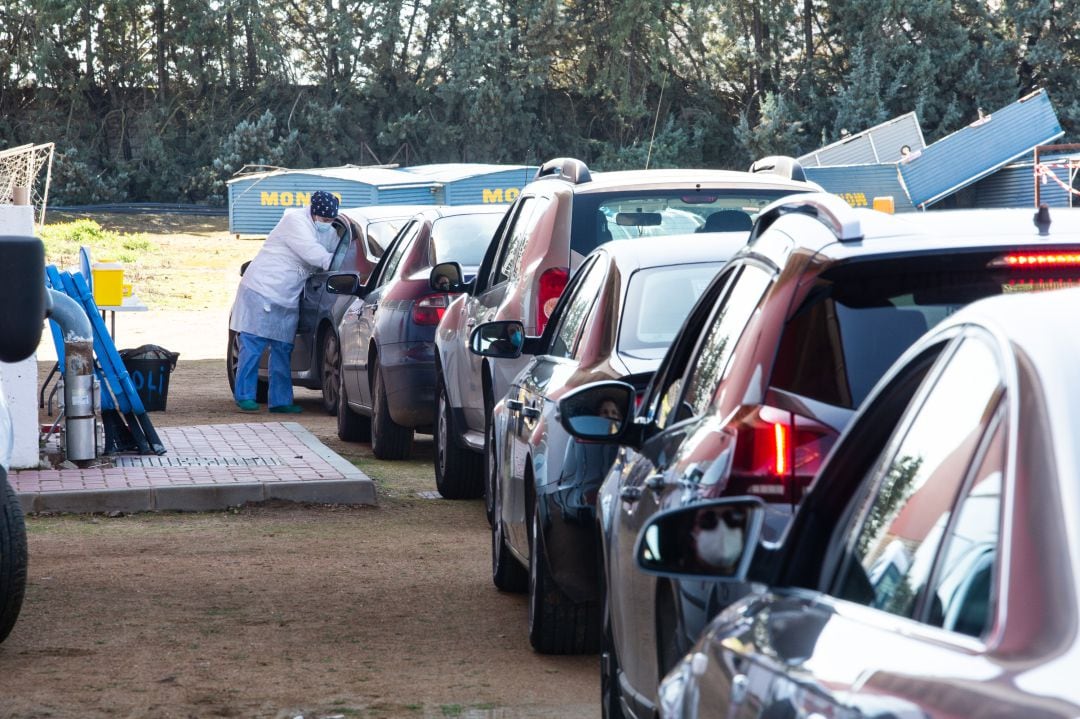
[397, 251]
[461, 238]
[576, 309]
[901, 526]
[531, 212]
[339, 253]
[657, 301]
[668, 382]
[961, 600]
[710, 365]
[381, 233]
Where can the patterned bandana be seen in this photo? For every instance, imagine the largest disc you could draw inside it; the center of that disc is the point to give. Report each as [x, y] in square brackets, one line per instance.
[324, 204]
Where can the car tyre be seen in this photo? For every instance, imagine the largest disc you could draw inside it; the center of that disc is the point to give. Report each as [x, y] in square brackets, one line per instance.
[351, 425]
[507, 573]
[232, 356]
[331, 373]
[610, 702]
[557, 625]
[389, 440]
[458, 471]
[13, 557]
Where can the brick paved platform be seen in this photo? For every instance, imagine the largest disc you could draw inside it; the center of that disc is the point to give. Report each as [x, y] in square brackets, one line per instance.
[206, 467]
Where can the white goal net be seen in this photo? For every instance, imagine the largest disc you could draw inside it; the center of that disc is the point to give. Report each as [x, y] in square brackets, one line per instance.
[21, 180]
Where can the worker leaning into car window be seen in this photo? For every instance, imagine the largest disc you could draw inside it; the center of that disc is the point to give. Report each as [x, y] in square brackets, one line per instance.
[267, 305]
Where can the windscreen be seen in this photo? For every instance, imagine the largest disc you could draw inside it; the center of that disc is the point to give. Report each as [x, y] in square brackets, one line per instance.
[856, 321]
[657, 301]
[599, 218]
[462, 238]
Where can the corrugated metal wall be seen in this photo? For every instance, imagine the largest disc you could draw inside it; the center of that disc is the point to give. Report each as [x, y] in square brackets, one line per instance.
[409, 195]
[1014, 186]
[879, 144]
[494, 187]
[979, 149]
[860, 184]
[256, 204]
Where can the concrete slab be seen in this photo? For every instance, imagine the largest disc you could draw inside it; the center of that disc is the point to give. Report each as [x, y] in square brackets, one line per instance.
[206, 467]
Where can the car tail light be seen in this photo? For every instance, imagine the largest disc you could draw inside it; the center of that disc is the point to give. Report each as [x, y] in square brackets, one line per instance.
[1037, 260]
[552, 283]
[777, 453]
[429, 310]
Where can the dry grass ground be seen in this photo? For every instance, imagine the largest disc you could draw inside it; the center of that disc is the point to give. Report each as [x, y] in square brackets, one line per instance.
[270, 611]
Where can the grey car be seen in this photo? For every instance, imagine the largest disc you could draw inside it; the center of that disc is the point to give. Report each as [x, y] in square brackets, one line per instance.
[933, 568]
[559, 218]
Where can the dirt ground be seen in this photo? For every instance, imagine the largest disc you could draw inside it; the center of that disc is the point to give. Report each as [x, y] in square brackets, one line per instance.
[276, 610]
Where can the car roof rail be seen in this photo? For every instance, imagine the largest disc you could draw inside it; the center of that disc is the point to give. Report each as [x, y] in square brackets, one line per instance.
[781, 165]
[831, 210]
[567, 168]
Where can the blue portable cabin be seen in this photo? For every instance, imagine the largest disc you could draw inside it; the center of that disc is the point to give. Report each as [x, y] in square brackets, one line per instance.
[1014, 184]
[466, 183]
[257, 200]
[880, 144]
[923, 178]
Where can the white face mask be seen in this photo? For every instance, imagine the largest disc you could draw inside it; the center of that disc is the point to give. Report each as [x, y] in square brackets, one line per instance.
[323, 227]
[719, 546]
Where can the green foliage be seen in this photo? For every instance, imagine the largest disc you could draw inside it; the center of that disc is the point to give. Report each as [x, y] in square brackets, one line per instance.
[63, 240]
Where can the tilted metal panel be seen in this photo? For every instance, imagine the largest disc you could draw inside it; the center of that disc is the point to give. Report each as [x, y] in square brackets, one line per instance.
[979, 149]
[499, 187]
[879, 144]
[257, 203]
[860, 184]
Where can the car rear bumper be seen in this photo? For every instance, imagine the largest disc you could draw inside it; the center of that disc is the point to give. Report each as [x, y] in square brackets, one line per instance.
[409, 371]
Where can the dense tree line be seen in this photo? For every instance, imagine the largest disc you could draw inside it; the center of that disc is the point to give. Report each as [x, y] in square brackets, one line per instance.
[165, 99]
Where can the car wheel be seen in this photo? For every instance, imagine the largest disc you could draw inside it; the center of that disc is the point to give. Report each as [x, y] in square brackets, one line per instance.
[331, 372]
[389, 440]
[556, 624]
[506, 572]
[232, 357]
[491, 462]
[458, 472]
[351, 425]
[13, 557]
[610, 703]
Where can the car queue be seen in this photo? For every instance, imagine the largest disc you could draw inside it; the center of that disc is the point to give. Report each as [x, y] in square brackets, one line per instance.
[656, 468]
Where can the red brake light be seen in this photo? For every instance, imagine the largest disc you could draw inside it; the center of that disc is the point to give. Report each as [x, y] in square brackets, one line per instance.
[552, 283]
[777, 453]
[1037, 260]
[430, 309]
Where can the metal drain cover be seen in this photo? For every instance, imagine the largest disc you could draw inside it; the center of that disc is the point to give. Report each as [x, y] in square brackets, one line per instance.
[146, 461]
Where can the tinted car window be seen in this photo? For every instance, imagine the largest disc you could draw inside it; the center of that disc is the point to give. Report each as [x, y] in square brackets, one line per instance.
[916, 485]
[381, 234]
[397, 251]
[657, 301]
[461, 238]
[531, 210]
[600, 217]
[577, 309]
[710, 365]
[339, 254]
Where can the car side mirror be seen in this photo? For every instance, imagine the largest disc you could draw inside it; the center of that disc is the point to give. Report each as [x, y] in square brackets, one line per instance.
[596, 412]
[715, 539]
[344, 284]
[22, 259]
[447, 277]
[504, 339]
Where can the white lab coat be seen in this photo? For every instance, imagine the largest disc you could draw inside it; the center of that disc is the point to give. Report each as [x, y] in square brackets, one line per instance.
[267, 300]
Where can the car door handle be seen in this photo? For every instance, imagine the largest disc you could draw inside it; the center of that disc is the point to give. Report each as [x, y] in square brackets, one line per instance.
[740, 687]
[530, 412]
[630, 494]
[470, 323]
[514, 405]
[656, 482]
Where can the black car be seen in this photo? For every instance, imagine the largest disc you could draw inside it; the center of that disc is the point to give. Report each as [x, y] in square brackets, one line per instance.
[932, 569]
[765, 374]
[363, 235]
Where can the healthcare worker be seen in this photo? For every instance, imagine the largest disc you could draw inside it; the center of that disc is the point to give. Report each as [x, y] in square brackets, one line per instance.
[267, 304]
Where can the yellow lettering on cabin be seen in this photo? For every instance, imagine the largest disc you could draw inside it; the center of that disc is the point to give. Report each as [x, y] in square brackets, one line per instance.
[512, 194]
[268, 198]
[302, 198]
[492, 196]
[287, 199]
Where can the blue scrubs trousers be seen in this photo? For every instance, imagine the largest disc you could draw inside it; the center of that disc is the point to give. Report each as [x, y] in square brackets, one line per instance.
[247, 369]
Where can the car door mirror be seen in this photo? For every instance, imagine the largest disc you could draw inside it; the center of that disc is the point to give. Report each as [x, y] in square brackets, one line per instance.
[23, 261]
[504, 339]
[344, 284]
[714, 539]
[598, 411]
[447, 277]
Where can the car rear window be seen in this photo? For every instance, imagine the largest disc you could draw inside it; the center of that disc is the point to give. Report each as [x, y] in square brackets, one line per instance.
[601, 217]
[855, 322]
[382, 232]
[657, 301]
[462, 238]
